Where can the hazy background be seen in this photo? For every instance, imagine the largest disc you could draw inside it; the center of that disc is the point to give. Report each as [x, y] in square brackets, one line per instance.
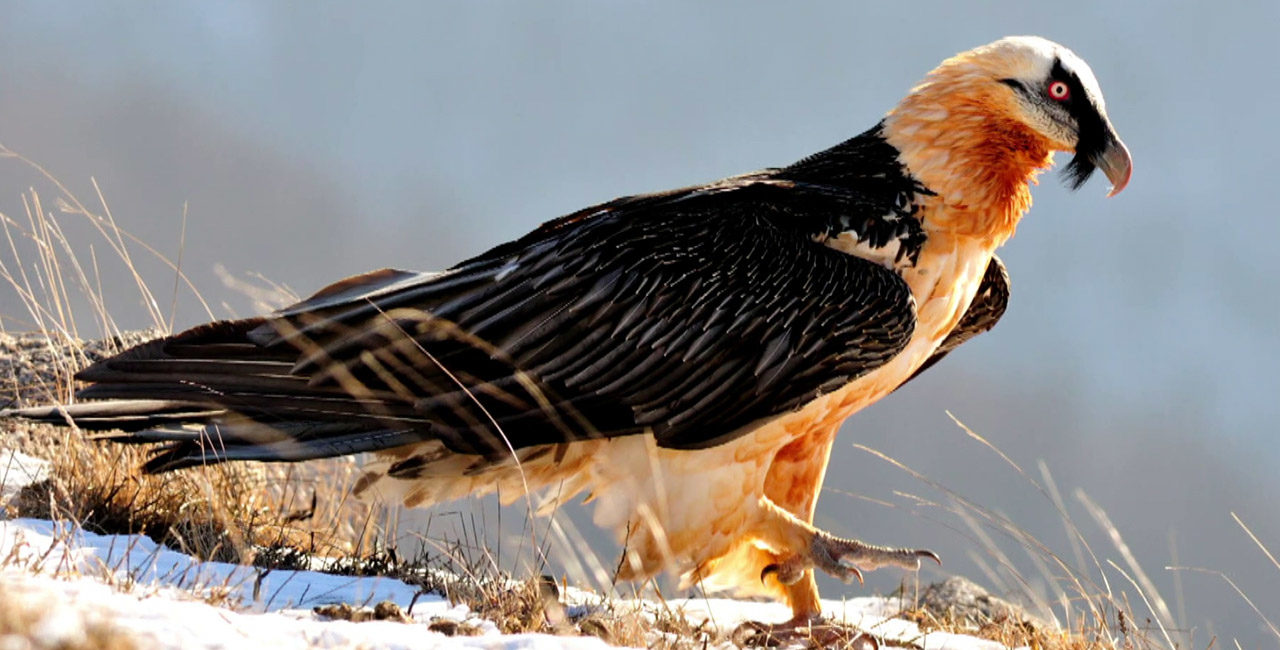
[311, 141]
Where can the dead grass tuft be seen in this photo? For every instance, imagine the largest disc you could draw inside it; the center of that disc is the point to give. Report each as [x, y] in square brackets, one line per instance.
[536, 605]
[960, 606]
[222, 512]
[1008, 631]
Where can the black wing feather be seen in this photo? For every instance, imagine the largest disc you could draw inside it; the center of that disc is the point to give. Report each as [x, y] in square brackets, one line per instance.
[690, 313]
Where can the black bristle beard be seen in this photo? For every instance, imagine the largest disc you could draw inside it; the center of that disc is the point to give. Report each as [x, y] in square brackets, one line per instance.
[1078, 170]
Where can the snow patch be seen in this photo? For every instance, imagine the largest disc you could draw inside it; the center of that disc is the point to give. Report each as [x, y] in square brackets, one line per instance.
[167, 620]
[74, 577]
[45, 546]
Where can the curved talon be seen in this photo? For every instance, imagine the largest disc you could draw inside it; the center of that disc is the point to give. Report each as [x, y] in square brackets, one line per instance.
[788, 571]
[929, 554]
[847, 571]
[768, 571]
[844, 572]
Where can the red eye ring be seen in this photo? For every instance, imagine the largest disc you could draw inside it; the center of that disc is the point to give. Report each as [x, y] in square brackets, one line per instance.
[1059, 91]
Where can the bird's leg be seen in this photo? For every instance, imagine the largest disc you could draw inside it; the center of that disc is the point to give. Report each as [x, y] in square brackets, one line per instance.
[802, 547]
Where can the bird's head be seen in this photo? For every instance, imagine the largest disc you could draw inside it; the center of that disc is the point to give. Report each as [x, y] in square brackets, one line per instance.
[991, 118]
[1056, 94]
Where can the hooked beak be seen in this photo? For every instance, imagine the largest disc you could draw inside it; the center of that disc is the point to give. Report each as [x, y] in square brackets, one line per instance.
[1117, 164]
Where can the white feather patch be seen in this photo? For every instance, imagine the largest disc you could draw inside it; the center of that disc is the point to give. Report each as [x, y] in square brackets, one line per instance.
[847, 242]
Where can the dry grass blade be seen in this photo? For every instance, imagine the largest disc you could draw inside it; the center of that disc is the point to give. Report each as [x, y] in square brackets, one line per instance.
[1154, 609]
[997, 521]
[1073, 532]
[212, 512]
[1074, 536]
[1270, 626]
[115, 236]
[1164, 618]
[1257, 541]
[182, 246]
[1106, 619]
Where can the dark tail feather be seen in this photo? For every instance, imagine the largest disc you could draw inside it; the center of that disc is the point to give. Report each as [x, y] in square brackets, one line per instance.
[240, 390]
[126, 415]
[210, 395]
[212, 436]
[279, 442]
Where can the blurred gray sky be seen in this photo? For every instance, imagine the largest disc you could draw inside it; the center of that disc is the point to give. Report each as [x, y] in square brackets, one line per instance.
[310, 141]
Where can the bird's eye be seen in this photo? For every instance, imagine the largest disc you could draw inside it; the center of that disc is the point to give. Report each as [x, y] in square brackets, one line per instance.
[1059, 91]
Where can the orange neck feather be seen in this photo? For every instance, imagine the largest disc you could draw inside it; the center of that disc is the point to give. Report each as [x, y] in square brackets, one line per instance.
[959, 134]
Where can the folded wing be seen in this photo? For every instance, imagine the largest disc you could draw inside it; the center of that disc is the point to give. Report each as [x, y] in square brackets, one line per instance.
[689, 314]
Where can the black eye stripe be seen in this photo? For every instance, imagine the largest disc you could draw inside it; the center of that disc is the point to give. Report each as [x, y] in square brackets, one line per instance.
[1076, 93]
[1091, 130]
[1077, 101]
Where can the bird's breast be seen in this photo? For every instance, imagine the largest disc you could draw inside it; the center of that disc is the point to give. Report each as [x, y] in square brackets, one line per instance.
[943, 282]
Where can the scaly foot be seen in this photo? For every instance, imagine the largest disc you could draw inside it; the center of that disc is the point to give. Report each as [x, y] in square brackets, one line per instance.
[845, 559]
